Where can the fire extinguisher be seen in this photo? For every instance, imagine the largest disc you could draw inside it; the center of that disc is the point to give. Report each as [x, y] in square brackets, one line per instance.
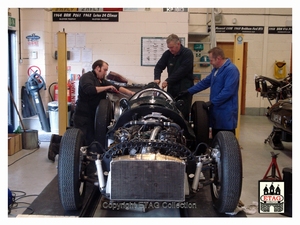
[68, 92]
[74, 91]
[55, 92]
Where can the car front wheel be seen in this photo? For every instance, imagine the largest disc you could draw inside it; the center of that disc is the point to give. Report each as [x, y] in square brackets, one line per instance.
[70, 185]
[226, 172]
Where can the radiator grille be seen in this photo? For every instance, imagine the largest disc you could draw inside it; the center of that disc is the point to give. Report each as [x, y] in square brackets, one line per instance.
[147, 180]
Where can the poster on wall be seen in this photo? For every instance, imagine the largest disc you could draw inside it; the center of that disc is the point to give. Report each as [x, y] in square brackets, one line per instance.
[74, 40]
[87, 55]
[152, 48]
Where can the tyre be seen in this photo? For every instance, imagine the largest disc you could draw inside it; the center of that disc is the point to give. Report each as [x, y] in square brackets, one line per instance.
[226, 172]
[103, 116]
[71, 188]
[200, 119]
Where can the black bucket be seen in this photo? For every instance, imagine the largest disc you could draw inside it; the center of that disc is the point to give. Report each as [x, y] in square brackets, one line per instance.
[30, 139]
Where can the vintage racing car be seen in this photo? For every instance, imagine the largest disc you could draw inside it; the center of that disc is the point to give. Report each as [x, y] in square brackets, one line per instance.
[146, 151]
[280, 112]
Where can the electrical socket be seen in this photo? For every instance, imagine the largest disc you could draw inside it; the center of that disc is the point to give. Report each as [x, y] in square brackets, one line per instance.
[34, 54]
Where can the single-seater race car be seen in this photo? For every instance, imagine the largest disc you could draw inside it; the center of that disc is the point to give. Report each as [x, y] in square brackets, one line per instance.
[146, 151]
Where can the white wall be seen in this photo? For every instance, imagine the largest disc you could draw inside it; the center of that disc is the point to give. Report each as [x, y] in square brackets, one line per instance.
[119, 43]
[263, 49]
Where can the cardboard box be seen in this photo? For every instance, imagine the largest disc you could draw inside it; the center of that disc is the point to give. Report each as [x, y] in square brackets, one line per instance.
[14, 143]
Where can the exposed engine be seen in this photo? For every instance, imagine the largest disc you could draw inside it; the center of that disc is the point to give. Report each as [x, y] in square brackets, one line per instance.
[152, 133]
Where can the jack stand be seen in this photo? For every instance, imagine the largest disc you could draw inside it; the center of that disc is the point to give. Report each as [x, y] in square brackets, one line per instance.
[274, 167]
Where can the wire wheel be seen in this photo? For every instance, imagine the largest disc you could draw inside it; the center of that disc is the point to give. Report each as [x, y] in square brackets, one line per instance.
[226, 172]
[70, 185]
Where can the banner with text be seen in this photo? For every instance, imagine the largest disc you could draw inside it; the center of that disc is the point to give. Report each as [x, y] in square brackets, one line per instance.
[239, 29]
[85, 16]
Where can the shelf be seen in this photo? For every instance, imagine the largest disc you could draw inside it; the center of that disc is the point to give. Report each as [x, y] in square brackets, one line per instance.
[198, 62]
[198, 42]
[199, 33]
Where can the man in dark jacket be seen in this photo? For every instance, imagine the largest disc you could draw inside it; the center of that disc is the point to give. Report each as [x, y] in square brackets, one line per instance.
[91, 89]
[179, 61]
[224, 84]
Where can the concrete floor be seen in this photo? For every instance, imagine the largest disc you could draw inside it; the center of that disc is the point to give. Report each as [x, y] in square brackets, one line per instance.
[30, 171]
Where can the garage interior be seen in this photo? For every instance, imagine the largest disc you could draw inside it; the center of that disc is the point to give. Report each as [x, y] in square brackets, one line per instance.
[40, 200]
[32, 177]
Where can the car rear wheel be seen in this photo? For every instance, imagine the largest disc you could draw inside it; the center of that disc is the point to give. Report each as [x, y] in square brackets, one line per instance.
[226, 172]
[103, 116]
[70, 185]
[200, 119]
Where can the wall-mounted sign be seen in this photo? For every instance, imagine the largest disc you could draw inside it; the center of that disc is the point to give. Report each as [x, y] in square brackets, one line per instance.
[239, 40]
[64, 9]
[33, 69]
[33, 40]
[239, 29]
[252, 29]
[11, 22]
[85, 16]
[280, 30]
[90, 9]
[175, 9]
[113, 9]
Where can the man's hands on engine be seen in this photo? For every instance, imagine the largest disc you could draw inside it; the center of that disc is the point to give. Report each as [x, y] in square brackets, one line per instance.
[157, 81]
[111, 88]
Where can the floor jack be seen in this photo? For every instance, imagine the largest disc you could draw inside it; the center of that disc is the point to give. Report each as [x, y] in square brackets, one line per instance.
[274, 167]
